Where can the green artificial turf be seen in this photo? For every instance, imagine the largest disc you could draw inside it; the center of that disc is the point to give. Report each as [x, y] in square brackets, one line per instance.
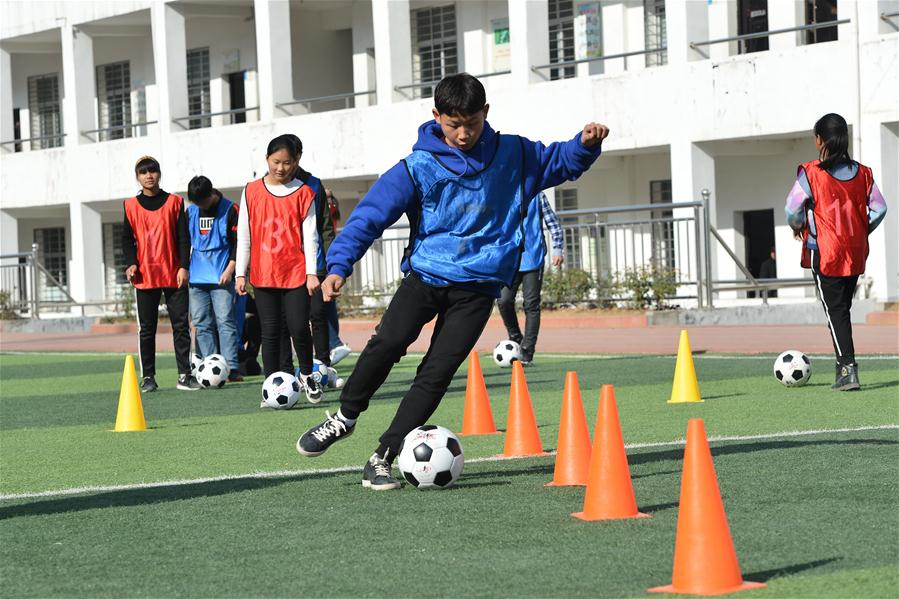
[813, 515]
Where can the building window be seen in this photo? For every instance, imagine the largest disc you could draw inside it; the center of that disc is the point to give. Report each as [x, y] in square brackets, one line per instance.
[435, 46]
[655, 31]
[566, 199]
[114, 95]
[198, 99]
[820, 11]
[561, 37]
[52, 256]
[753, 18]
[114, 259]
[43, 106]
[663, 243]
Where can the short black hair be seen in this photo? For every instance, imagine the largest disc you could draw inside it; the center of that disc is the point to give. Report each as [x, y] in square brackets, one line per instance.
[147, 164]
[460, 94]
[199, 188]
[287, 142]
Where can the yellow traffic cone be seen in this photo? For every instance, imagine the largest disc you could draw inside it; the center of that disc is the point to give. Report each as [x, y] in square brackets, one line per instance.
[686, 387]
[130, 416]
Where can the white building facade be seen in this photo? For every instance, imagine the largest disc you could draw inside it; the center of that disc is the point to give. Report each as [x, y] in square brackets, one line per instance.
[86, 88]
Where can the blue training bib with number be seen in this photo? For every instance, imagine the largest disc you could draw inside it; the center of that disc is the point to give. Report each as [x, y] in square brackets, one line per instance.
[209, 243]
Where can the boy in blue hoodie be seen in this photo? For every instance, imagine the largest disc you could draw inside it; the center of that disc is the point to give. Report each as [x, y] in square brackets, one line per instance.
[465, 190]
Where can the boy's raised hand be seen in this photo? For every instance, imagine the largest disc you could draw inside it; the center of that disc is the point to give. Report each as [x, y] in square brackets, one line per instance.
[593, 134]
[331, 287]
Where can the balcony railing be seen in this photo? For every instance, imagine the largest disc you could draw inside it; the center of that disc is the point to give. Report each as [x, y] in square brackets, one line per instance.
[89, 132]
[624, 55]
[207, 115]
[760, 34]
[58, 136]
[347, 98]
[423, 84]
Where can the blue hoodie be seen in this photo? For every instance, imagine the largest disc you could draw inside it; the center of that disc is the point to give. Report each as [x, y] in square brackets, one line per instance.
[394, 194]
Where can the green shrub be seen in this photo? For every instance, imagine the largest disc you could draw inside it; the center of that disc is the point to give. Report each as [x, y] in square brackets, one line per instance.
[7, 309]
[647, 286]
[568, 286]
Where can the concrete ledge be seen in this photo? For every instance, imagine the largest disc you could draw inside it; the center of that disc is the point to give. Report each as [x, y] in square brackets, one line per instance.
[777, 314]
[80, 324]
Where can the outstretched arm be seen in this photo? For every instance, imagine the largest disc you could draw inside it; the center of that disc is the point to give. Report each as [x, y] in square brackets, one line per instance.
[548, 166]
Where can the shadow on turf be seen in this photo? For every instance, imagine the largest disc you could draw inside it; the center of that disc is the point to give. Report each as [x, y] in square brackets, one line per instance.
[738, 448]
[148, 496]
[766, 575]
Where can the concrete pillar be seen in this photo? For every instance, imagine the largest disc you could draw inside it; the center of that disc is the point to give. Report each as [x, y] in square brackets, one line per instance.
[7, 130]
[170, 63]
[614, 41]
[393, 48]
[636, 35]
[529, 37]
[9, 233]
[273, 55]
[880, 142]
[686, 21]
[692, 170]
[784, 14]
[363, 53]
[722, 19]
[86, 269]
[79, 111]
[472, 19]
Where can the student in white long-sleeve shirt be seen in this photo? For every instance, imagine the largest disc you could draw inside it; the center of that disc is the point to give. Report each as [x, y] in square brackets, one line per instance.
[276, 231]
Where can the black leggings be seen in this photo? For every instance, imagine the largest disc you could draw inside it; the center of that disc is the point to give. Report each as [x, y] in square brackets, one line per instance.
[295, 303]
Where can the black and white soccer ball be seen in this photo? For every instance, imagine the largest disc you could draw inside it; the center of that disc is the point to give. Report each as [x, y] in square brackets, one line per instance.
[431, 457]
[281, 390]
[211, 373]
[506, 352]
[195, 361]
[793, 368]
[221, 359]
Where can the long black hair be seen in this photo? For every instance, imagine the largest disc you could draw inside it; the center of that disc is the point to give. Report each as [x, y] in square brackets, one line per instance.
[284, 142]
[834, 133]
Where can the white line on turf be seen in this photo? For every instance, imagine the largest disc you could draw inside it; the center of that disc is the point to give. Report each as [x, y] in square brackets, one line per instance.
[342, 469]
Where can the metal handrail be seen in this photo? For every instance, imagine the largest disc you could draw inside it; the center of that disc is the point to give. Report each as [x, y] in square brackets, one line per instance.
[400, 88]
[571, 63]
[760, 34]
[326, 98]
[634, 208]
[211, 114]
[118, 128]
[41, 138]
[887, 15]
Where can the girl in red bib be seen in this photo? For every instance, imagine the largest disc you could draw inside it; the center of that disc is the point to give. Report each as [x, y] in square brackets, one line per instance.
[276, 232]
[833, 206]
[156, 244]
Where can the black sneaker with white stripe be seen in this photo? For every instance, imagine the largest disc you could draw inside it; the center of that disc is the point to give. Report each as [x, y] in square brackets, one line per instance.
[313, 387]
[319, 438]
[377, 474]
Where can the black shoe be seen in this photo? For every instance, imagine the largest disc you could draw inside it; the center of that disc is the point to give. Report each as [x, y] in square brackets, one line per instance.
[377, 474]
[148, 385]
[188, 383]
[527, 357]
[318, 439]
[235, 377]
[847, 378]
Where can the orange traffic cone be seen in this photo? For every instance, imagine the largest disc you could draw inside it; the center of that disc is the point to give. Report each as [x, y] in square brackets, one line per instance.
[478, 417]
[573, 449]
[610, 494]
[522, 437]
[705, 562]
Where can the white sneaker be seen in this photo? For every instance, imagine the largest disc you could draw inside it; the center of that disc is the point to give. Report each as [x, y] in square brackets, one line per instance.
[339, 353]
[313, 387]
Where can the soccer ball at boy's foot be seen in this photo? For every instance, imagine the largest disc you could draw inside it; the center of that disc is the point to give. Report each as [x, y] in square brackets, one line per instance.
[195, 361]
[280, 391]
[793, 368]
[211, 374]
[431, 457]
[221, 359]
[506, 352]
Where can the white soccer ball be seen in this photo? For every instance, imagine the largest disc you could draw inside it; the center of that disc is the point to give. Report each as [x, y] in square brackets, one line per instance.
[506, 352]
[221, 359]
[793, 368]
[195, 361]
[281, 390]
[431, 457]
[211, 373]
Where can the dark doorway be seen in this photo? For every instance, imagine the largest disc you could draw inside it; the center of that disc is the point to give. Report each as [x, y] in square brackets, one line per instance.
[758, 229]
[17, 129]
[820, 11]
[237, 96]
[753, 19]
